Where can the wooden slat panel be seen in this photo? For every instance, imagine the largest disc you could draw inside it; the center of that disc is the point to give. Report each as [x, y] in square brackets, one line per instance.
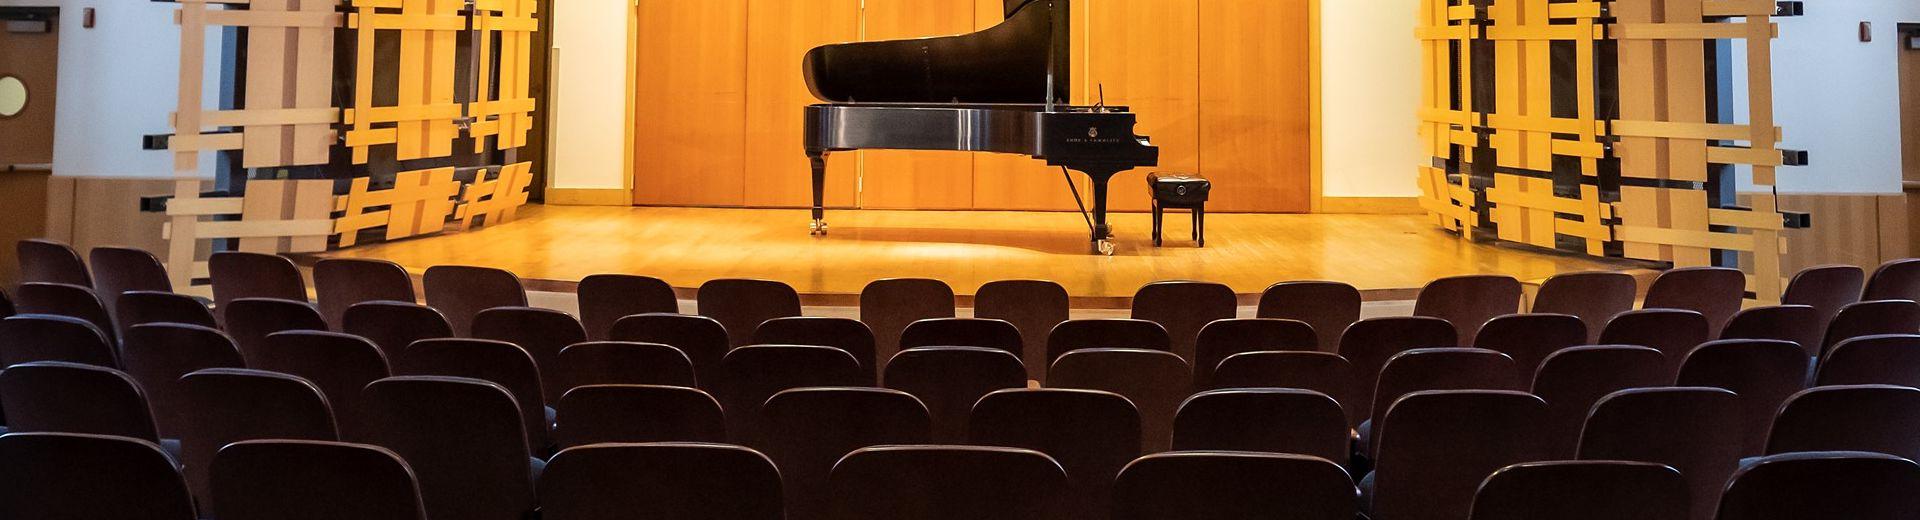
[907, 179]
[1255, 113]
[690, 137]
[777, 172]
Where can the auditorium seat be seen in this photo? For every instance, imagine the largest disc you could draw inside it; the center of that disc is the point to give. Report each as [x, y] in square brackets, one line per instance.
[1892, 359]
[1870, 318]
[1824, 486]
[1572, 380]
[964, 332]
[340, 365]
[47, 261]
[394, 325]
[1875, 418]
[1370, 342]
[1673, 332]
[1073, 335]
[117, 270]
[541, 332]
[1427, 369]
[664, 481]
[464, 439]
[341, 283]
[270, 479]
[1274, 420]
[143, 307]
[70, 476]
[250, 320]
[1714, 292]
[1222, 338]
[157, 354]
[1582, 490]
[460, 292]
[889, 305]
[72, 301]
[1696, 430]
[1156, 381]
[751, 374]
[228, 405]
[637, 413]
[1033, 306]
[810, 429]
[1468, 302]
[1233, 486]
[499, 362]
[1764, 372]
[842, 333]
[945, 483]
[6, 304]
[618, 363]
[949, 380]
[52, 396]
[1322, 372]
[1183, 308]
[702, 339]
[741, 305]
[1530, 338]
[1800, 324]
[238, 275]
[605, 298]
[1826, 288]
[1595, 297]
[28, 337]
[1435, 448]
[1092, 434]
[1894, 280]
[1328, 306]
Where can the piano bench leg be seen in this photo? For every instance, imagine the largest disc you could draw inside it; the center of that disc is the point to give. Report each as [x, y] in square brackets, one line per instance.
[1157, 216]
[1200, 226]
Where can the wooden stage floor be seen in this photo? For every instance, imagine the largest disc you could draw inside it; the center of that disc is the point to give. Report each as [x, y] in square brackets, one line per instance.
[553, 247]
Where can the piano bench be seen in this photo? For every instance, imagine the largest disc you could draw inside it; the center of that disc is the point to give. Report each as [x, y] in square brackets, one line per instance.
[1180, 191]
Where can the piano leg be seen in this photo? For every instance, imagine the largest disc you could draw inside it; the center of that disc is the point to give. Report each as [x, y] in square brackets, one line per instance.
[1102, 233]
[819, 225]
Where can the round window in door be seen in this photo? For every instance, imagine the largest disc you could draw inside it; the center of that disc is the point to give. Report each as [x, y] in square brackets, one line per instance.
[13, 96]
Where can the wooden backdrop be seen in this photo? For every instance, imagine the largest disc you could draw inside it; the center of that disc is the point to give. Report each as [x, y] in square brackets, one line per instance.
[1222, 87]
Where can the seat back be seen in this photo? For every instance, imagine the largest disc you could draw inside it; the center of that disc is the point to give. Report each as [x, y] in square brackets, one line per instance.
[964, 332]
[949, 380]
[393, 326]
[250, 320]
[313, 480]
[6, 305]
[1436, 447]
[749, 375]
[143, 307]
[228, 405]
[1369, 343]
[1425, 369]
[842, 333]
[1894, 280]
[1183, 308]
[57, 475]
[1870, 318]
[1092, 434]
[637, 413]
[1799, 324]
[72, 301]
[461, 292]
[1826, 288]
[741, 305]
[1673, 332]
[1156, 382]
[1582, 490]
[1875, 418]
[1530, 338]
[818, 426]
[254, 275]
[1692, 429]
[945, 483]
[1822, 485]
[1330, 307]
[463, 438]
[541, 332]
[1226, 337]
[38, 337]
[157, 354]
[117, 270]
[1764, 372]
[1468, 302]
[668, 481]
[340, 283]
[1322, 372]
[54, 396]
[619, 363]
[502, 363]
[1033, 306]
[1574, 379]
[1273, 420]
[1073, 335]
[47, 261]
[889, 305]
[1595, 297]
[1714, 292]
[1892, 359]
[702, 339]
[1233, 485]
[340, 365]
[605, 298]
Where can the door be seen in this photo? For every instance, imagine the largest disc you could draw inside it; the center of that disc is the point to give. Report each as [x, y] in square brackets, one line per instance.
[28, 42]
[1909, 58]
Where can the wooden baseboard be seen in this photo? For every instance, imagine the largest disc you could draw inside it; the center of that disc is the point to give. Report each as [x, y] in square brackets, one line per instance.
[1371, 205]
[589, 197]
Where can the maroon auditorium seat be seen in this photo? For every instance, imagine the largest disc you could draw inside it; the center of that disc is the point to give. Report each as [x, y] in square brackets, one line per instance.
[1370, 342]
[1330, 307]
[1274, 420]
[1530, 338]
[1436, 447]
[949, 380]
[1156, 382]
[1582, 490]
[541, 332]
[499, 362]
[637, 413]
[841, 333]
[1876, 418]
[1696, 430]
[238, 275]
[143, 307]
[945, 483]
[1894, 280]
[964, 332]
[1871, 318]
[1800, 324]
[1824, 485]
[1233, 485]
[741, 305]
[813, 428]
[668, 481]
[702, 339]
[340, 365]
[1322, 372]
[1222, 338]
[1714, 292]
[1183, 308]
[1572, 380]
[1468, 302]
[1764, 372]
[27, 338]
[265, 479]
[158, 354]
[57, 475]
[1072, 335]
[394, 325]
[619, 363]
[1673, 332]
[250, 320]
[341, 283]
[72, 301]
[1595, 297]
[605, 298]
[52, 396]
[47, 261]
[1092, 434]
[228, 405]
[749, 375]
[460, 292]
[463, 437]
[889, 305]
[1033, 306]
[1892, 359]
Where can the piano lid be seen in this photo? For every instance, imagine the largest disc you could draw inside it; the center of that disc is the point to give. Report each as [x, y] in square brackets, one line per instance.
[1006, 63]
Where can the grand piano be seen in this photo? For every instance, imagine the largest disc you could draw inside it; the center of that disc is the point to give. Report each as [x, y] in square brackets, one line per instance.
[1001, 90]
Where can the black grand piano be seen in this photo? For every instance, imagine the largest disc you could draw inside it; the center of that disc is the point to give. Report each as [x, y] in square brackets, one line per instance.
[1001, 90]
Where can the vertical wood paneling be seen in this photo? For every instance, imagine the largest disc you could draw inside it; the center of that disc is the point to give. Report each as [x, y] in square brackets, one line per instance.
[777, 172]
[690, 138]
[1146, 56]
[923, 180]
[1255, 105]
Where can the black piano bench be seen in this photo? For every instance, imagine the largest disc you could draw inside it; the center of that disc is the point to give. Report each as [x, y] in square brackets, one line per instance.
[1180, 191]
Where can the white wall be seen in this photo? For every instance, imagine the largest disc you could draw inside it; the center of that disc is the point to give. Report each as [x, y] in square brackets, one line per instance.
[1838, 98]
[117, 84]
[589, 94]
[1369, 98]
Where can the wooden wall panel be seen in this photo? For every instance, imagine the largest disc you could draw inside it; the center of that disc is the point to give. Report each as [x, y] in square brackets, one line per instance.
[690, 139]
[24, 194]
[1146, 56]
[921, 180]
[1005, 181]
[1255, 126]
[777, 172]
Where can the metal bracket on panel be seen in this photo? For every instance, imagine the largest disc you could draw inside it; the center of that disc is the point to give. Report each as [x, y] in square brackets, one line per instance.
[1789, 8]
[1794, 158]
[155, 141]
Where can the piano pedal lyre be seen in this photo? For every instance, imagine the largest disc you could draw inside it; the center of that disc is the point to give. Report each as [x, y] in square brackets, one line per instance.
[817, 228]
